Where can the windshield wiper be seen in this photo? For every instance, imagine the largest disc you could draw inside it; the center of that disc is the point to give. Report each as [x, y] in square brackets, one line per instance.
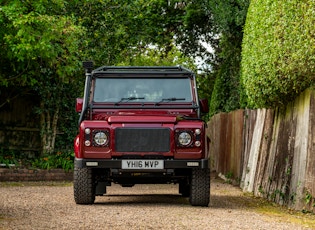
[170, 99]
[126, 99]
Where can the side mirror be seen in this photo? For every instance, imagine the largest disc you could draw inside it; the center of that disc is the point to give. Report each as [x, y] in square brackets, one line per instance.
[204, 107]
[79, 105]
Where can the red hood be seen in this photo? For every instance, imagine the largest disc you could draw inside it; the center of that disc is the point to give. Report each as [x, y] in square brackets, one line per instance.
[142, 119]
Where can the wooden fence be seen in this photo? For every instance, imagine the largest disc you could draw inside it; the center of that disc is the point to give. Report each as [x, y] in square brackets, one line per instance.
[269, 152]
[19, 124]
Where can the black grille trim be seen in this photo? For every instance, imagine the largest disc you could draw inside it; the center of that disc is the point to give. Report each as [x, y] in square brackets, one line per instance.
[142, 140]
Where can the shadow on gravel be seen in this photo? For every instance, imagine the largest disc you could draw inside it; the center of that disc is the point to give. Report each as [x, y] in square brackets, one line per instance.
[232, 202]
[216, 201]
[147, 199]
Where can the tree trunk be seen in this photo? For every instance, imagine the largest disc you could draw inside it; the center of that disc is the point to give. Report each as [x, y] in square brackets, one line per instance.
[48, 124]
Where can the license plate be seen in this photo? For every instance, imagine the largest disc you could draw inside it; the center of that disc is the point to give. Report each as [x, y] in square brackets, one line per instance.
[142, 164]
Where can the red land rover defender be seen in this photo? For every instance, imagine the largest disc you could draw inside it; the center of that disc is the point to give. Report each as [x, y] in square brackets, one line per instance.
[141, 125]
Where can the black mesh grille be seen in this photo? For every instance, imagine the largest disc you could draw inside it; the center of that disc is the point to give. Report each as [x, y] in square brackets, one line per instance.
[142, 140]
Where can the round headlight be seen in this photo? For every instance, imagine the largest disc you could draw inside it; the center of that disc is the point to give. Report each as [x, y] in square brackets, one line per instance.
[100, 138]
[184, 138]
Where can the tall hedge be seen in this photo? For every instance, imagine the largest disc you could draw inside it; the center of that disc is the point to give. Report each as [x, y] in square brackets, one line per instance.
[229, 19]
[278, 51]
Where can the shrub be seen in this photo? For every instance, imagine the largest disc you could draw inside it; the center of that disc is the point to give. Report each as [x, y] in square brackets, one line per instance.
[8, 158]
[278, 51]
[62, 160]
[58, 160]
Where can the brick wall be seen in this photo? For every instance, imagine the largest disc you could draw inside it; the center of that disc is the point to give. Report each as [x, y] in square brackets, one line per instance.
[34, 175]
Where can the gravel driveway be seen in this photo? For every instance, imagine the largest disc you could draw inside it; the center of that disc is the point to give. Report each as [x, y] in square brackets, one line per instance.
[50, 205]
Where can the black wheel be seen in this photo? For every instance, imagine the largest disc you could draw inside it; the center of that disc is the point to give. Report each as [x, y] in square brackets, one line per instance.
[184, 188]
[200, 187]
[83, 186]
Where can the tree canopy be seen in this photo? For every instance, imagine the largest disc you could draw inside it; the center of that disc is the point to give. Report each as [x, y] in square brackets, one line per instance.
[121, 30]
[35, 39]
[43, 43]
[39, 53]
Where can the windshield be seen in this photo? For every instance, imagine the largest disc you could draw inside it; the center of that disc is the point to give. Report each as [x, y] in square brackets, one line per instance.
[158, 90]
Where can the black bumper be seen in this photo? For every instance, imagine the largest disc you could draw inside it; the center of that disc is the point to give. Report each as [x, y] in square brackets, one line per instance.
[117, 163]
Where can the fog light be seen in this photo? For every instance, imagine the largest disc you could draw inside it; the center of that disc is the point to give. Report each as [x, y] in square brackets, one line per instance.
[197, 143]
[87, 143]
[91, 164]
[193, 164]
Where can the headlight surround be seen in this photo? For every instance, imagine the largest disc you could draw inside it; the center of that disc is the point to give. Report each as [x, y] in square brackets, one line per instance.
[100, 138]
[184, 138]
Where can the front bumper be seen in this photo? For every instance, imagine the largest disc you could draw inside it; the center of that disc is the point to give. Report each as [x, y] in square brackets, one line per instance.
[117, 163]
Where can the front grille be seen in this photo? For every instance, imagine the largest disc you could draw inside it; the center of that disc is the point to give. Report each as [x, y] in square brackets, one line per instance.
[142, 140]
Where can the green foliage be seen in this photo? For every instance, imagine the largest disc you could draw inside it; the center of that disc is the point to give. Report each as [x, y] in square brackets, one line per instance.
[229, 177]
[205, 82]
[68, 121]
[55, 161]
[62, 160]
[116, 30]
[8, 158]
[41, 51]
[43, 43]
[63, 101]
[197, 27]
[278, 51]
[155, 57]
[229, 17]
[37, 38]
[226, 92]
[308, 197]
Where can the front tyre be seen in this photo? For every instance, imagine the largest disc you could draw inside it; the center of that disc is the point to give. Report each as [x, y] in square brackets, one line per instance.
[83, 186]
[200, 187]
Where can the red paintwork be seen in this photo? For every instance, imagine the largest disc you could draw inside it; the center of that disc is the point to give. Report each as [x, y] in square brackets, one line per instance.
[204, 105]
[144, 115]
[141, 119]
[110, 123]
[78, 105]
[77, 146]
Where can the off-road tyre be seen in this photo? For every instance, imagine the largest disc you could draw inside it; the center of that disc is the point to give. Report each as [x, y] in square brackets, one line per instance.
[83, 186]
[200, 187]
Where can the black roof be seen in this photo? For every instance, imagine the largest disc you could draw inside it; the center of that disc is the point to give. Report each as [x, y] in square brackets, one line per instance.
[156, 70]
